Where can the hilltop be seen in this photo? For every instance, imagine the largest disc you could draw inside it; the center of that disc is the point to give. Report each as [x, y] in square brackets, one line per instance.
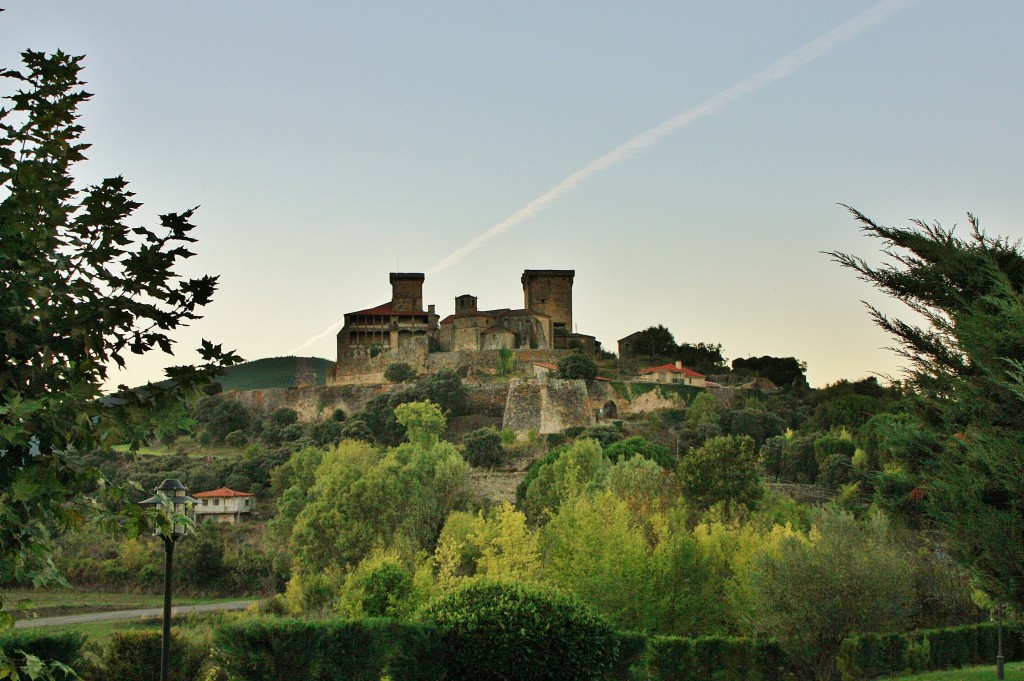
[276, 372]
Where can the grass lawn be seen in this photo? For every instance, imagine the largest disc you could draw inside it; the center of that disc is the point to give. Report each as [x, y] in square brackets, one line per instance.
[1014, 672]
[54, 602]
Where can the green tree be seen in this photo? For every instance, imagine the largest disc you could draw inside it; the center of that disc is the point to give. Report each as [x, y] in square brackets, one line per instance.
[966, 366]
[655, 341]
[423, 422]
[483, 447]
[363, 498]
[576, 366]
[580, 468]
[399, 372]
[723, 470]
[624, 450]
[810, 592]
[79, 289]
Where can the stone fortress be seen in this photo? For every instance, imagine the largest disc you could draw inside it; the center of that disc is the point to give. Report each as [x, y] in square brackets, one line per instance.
[507, 355]
[468, 341]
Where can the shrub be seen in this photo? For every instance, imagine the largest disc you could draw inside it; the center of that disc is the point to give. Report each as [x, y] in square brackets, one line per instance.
[338, 414]
[357, 430]
[237, 438]
[577, 366]
[483, 447]
[638, 446]
[511, 631]
[356, 650]
[284, 417]
[134, 655]
[328, 432]
[399, 372]
[293, 432]
[605, 435]
[64, 647]
[715, 657]
[835, 470]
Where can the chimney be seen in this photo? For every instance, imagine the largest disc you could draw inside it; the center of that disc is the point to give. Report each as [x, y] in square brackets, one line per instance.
[679, 364]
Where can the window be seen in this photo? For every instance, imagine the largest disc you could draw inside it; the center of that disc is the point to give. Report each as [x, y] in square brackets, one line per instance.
[216, 502]
[205, 503]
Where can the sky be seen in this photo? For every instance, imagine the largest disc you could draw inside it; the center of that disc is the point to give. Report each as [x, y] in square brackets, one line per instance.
[686, 159]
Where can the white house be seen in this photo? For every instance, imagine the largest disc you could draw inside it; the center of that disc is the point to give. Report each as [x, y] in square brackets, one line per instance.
[223, 505]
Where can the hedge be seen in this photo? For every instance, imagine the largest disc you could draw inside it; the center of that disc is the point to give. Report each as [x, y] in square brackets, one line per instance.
[872, 655]
[64, 647]
[342, 650]
[716, 657]
[135, 656]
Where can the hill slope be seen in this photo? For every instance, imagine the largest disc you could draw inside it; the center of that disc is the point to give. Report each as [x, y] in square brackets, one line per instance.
[276, 372]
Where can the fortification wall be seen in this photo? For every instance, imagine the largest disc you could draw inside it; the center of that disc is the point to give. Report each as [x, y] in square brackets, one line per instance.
[547, 407]
[312, 404]
[359, 368]
[635, 399]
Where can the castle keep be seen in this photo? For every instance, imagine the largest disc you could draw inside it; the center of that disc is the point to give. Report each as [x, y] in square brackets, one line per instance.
[402, 331]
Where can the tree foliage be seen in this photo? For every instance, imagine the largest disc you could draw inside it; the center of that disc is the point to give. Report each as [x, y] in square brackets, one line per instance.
[722, 471]
[655, 341]
[80, 289]
[577, 366]
[966, 365]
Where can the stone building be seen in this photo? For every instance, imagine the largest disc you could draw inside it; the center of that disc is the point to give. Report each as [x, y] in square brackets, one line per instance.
[473, 329]
[402, 331]
[397, 324]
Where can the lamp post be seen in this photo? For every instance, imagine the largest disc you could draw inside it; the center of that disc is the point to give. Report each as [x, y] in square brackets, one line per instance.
[1000, 658]
[176, 507]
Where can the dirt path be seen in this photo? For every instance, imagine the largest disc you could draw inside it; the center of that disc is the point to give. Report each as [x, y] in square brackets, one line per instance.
[142, 613]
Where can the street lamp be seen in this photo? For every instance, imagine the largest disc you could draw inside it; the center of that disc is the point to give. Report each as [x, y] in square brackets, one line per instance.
[176, 507]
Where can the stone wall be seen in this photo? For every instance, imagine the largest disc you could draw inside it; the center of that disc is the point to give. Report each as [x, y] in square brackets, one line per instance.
[635, 399]
[359, 368]
[312, 404]
[549, 407]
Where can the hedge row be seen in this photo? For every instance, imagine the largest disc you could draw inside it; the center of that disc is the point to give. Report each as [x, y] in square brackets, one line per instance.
[356, 650]
[872, 655]
[363, 650]
[65, 647]
[715, 657]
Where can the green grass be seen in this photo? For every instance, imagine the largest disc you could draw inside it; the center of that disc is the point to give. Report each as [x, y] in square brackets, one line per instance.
[1014, 672]
[55, 602]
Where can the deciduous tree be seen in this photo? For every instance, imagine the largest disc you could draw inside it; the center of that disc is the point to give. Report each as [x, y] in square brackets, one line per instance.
[80, 289]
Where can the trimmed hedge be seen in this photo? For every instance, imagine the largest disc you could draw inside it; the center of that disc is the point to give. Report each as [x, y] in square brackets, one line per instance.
[716, 657]
[64, 647]
[135, 656]
[495, 631]
[354, 650]
[872, 655]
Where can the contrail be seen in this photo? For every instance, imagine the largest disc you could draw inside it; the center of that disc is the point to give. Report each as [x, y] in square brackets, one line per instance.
[776, 71]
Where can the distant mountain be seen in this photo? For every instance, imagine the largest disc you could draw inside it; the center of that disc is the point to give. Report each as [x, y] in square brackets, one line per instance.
[276, 372]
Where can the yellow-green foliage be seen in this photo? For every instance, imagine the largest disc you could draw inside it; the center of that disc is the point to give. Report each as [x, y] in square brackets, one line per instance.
[496, 545]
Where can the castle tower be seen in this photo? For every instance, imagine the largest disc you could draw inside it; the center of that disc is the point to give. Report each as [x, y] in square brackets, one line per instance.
[465, 304]
[550, 292]
[407, 291]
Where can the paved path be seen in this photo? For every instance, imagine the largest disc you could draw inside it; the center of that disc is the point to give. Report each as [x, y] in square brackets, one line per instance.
[144, 613]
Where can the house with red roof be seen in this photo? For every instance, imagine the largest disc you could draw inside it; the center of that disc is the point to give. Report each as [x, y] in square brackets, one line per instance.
[223, 505]
[674, 373]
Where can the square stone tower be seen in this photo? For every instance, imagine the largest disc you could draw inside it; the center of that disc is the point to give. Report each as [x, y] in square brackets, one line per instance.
[407, 291]
[550, 292]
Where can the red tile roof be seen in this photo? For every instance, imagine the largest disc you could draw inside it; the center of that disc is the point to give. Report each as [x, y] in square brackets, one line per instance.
[386, 310]
[672, 368]
[221, 493]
